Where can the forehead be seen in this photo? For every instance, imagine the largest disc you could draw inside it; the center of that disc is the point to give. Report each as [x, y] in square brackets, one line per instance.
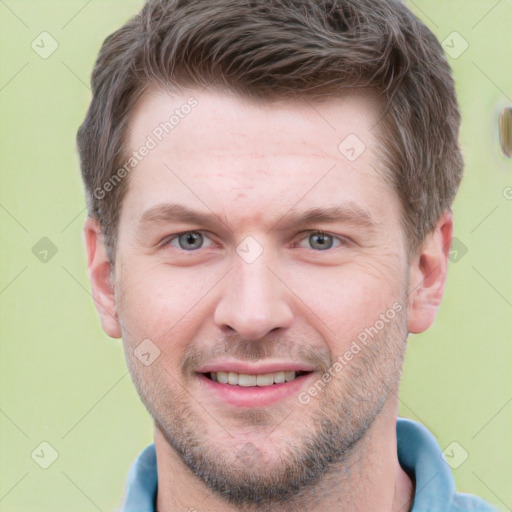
[222, 150]
[215, 119]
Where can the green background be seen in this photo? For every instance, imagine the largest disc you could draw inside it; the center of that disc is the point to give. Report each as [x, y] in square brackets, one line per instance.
[63, 381]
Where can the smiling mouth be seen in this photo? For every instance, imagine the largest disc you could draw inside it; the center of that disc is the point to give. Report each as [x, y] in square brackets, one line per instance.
[251, 380]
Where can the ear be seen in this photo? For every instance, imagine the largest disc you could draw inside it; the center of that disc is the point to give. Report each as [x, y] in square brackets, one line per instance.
[428, 275]
[99, 269]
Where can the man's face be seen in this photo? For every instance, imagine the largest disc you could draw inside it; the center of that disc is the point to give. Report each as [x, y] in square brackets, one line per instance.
[257, 287]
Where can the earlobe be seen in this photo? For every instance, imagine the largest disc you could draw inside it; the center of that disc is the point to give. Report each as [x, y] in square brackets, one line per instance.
[428, 276]
[99, 269]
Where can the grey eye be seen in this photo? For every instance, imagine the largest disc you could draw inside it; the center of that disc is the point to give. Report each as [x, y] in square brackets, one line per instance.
[320, 241]
[190, 241]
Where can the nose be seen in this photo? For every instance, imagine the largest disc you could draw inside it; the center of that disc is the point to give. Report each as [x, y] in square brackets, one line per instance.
[253, 301]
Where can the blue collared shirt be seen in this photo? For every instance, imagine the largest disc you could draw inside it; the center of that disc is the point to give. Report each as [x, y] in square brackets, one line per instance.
[418, 453]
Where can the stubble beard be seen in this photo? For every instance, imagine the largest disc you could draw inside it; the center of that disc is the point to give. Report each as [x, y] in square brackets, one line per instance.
[332, 429]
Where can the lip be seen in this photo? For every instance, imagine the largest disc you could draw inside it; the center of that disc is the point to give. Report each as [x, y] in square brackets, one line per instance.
[254, 396]
[254, 369]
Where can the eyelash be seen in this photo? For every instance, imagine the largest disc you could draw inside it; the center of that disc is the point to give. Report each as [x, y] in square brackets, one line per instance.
[343, 241]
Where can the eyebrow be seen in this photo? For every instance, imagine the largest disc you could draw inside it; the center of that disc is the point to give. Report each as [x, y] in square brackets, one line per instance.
[165, 213]
[349, 212]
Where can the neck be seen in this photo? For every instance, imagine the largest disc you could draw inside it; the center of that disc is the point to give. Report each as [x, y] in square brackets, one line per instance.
[371, 481]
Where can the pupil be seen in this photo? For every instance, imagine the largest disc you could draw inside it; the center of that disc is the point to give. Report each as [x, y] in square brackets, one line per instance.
[321, 241]
[190, 240]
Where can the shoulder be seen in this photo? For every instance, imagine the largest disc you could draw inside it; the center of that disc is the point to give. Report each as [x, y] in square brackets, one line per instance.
[421, 457]
[142, 483]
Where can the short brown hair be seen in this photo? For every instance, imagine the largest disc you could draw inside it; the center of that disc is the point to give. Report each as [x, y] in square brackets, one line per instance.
[275, 49]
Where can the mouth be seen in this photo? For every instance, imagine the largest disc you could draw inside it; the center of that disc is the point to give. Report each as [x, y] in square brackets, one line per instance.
[248, 386]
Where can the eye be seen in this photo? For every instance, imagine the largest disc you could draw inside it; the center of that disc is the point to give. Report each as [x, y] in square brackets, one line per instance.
[188, 241]
[321, 241]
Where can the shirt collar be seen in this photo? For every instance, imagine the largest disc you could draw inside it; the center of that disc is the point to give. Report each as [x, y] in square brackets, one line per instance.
[421, 458]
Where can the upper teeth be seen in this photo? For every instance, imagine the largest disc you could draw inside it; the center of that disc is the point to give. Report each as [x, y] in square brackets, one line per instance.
[243, 379]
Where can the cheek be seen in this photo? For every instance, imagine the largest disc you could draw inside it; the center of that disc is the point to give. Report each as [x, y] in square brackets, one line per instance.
[157, 302]
[341, 302]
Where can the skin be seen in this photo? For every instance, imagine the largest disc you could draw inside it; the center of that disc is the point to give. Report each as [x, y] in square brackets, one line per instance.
[252, 167]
